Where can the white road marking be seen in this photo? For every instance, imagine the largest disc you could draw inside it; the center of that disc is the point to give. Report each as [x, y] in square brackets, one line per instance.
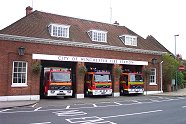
[89, 120]
[68, 107]
[94, 105]
[5, 110]
[100, 120]
[84, 119]
[139, 113]
[153, 100]
[136, 101]
[34, 105]
[70, 113]
[118, 103]
[183, 106]
[105, 102]
[37, 108]
[42, 123]
[181, 98]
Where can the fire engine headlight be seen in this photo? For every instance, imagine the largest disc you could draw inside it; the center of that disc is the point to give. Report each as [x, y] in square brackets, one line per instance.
[52, 91]
[68, 91]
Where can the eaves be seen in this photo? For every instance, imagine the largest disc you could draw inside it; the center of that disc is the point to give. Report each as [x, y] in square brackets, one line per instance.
[77, 44]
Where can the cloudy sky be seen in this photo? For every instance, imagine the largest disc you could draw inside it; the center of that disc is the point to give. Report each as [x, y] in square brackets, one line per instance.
[160, 18]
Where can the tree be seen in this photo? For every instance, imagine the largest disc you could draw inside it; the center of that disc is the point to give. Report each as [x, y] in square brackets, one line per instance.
[170, 66]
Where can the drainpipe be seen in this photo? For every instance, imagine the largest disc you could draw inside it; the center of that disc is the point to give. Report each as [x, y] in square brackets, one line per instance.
[161, 89]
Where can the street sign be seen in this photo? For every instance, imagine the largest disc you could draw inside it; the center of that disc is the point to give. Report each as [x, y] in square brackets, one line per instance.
[181, 68]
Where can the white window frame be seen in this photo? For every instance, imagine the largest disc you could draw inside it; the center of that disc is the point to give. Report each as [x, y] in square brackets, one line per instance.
[129, 40]
[17, 84]
[152, 77]
[98, 35]
[57, 30]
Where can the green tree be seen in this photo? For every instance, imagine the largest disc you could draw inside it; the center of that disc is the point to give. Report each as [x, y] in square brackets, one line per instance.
[170, 66]
[180, 78]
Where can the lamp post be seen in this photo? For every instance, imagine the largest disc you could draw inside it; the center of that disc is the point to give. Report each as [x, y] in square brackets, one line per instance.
[21, 51]
[175, 58]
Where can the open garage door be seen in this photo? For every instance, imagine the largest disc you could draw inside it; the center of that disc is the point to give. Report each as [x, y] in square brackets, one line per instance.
[57, 78]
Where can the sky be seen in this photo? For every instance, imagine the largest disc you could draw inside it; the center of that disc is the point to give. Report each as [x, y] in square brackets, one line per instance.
[163, 19]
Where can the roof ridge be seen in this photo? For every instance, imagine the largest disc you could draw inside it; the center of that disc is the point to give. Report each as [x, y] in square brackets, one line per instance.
[94, 21]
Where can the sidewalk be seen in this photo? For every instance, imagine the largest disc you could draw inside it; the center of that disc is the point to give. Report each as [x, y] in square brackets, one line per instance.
[180, 92]
[10, 104]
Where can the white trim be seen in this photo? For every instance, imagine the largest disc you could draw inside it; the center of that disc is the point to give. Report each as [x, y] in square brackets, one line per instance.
[51, 29]
[152, 92]
[19, 84]
[20, 97]
[80, 96]
[116, 94]
[96, 38]
[16, 38]
[132, 42]
[152, 83]
[87, 59]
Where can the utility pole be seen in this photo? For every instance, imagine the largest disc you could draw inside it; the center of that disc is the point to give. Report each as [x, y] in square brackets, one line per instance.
[176, 80]
[110, 11]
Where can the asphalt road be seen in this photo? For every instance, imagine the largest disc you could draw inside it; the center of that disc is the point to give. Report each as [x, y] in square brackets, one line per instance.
[146, 110]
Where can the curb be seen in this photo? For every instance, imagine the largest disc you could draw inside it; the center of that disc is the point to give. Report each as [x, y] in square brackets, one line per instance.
[13, 105]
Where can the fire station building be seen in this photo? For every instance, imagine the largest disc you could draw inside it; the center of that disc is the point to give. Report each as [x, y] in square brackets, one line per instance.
[42, 39]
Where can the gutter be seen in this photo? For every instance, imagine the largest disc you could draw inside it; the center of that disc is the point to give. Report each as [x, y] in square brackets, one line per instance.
[77, 44]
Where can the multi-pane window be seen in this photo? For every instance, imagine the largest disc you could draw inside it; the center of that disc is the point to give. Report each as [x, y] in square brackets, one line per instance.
[19, 73]
[59, 30]
[153, 76]
[129, 40]
[96, 35]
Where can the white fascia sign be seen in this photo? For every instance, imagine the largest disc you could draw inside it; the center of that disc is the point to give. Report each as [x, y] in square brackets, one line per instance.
[87, 59]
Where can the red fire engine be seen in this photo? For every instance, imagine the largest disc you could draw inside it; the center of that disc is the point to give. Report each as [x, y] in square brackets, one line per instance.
[98, 82]
[131, 83]
[57, 82]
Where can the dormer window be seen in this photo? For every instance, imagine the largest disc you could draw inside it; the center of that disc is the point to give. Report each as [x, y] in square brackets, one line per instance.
[129, 40]
[97, 35]
[57, 30]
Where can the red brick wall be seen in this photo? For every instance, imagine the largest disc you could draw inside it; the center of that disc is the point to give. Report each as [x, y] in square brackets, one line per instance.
[8, 54]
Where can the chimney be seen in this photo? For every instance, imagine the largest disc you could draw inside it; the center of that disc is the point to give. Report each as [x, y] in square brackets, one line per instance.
[28, 10]
[116, 23]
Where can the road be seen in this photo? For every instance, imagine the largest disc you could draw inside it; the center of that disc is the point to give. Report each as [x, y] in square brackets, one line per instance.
[144, 110]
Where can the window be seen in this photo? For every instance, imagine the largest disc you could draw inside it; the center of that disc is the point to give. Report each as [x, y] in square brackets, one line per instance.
[96, 35]
[19, 75]
[129, 40]
[59, 30]
[153, 76]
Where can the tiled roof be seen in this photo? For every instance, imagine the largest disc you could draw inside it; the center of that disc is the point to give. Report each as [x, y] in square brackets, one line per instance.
[36, 25]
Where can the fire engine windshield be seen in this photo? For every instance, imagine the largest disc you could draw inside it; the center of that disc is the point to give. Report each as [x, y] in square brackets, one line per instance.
[136, 78]
[60, 77]
[102, 77]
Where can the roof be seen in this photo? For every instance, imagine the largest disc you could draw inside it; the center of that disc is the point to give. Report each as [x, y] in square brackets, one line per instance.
[36, 25]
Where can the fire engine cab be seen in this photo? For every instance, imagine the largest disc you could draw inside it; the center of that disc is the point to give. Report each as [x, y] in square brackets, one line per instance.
[98, 82]
[57, 82]
[131, 83]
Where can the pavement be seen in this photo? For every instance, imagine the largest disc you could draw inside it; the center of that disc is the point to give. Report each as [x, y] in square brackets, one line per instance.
[12, 104]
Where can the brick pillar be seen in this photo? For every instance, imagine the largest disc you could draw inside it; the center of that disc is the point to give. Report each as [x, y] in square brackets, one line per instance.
[80, 80]
[116, 75]
[34, 84]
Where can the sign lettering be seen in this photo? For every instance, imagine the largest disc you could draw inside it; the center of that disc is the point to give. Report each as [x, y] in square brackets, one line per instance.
[87, 59]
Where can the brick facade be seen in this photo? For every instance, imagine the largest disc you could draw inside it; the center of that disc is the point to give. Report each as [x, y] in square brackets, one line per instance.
[9, 53]
[33, 32]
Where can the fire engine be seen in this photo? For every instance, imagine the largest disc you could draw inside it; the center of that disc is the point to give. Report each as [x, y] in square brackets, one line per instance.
[98, 82]
[131, 83]
[57, 82]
